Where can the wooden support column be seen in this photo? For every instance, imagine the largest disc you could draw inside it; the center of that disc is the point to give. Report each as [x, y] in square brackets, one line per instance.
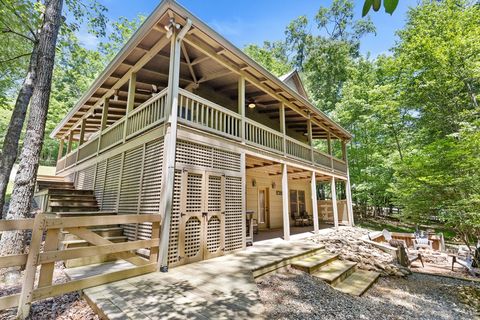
[348, 188]
[244, 198]
[82, 131]
[314, 202]
[70, 141]
[310, 137]
[283, 129]
[334, 202]
[170, 148]
[132, 85]
[241, 106]
[285, 206]
[60, 149]
[329, 146]
[106, 104]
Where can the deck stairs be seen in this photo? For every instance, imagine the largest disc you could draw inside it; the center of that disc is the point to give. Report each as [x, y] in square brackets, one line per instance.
[340, 274]
[63, 200]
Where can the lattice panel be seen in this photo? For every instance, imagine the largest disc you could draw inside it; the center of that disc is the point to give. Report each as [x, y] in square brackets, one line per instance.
[100, 181]
[85, 179]
[175, 220]
[213, 234]
[114, 167]
[214, 193]
[225, 160]
[130, 188]
[151, 185]
[194, 192]
[194, 154]
[193, 228]
[233, 213]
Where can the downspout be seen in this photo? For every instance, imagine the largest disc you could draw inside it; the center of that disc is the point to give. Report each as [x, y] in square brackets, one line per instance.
[171, 144]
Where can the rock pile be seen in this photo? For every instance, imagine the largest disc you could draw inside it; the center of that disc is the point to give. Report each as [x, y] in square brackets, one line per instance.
[348, 244]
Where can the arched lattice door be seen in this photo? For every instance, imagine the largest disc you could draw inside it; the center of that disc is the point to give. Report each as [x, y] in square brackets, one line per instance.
[202, 210]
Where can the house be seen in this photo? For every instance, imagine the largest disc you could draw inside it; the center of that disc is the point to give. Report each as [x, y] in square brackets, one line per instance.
[183, 124]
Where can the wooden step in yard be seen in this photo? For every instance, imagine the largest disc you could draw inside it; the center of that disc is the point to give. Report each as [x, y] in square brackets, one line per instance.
[340, 274]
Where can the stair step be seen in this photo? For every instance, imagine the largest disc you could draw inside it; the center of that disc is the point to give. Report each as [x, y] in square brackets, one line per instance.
[72, 197]
[104, 232]
[358, 282]
[335, 271]
[77, 209]
[85, 213]
[77, 243]
[61, 191]
[72, 204]
[312, 263]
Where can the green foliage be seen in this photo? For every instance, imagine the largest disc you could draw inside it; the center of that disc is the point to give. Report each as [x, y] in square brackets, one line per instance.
[272, 56]
[389, 5]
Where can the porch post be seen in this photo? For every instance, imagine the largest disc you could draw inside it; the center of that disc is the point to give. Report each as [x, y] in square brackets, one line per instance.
[286, 218]
[310, 137]
[241, 106]
[334, 203]
[106, 104]
[60, 149]
[70, 141]
[132, 87]
[170, 140]
[282, 128]
[82, 131]
[314, 202]
[348, 189]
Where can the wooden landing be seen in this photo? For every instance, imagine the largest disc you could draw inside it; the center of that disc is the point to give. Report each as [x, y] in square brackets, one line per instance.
[220, 288]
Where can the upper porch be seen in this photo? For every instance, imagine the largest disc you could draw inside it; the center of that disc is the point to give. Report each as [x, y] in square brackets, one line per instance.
[220, 91]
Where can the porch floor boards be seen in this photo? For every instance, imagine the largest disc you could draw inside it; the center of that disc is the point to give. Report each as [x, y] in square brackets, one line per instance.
[220, 288]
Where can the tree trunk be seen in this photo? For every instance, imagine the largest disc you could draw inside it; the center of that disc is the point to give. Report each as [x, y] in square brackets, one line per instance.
[8, 155]
[20, 204]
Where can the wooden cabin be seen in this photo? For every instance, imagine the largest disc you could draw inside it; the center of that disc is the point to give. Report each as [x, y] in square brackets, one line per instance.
[185, 125]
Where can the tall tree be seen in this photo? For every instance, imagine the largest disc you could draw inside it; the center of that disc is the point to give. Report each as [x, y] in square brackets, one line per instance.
[8, 154]
[272, 56]
[13, 242]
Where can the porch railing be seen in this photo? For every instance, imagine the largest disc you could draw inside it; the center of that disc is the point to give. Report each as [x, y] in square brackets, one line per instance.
[144, 117]
[204, 114]
[258, 134]
[197, 112]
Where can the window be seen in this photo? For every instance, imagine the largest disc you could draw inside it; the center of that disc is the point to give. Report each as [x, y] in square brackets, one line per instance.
[297, 201]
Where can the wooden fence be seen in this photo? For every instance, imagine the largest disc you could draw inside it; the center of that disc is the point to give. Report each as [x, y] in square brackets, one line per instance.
[51, 226]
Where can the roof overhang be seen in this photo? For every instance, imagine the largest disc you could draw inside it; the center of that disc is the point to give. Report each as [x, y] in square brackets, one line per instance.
[171, 8]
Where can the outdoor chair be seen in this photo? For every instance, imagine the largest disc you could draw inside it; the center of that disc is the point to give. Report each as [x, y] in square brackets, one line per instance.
[422, 243]
[308, 217]
[404, 257]
[472, 264]
[298, 219]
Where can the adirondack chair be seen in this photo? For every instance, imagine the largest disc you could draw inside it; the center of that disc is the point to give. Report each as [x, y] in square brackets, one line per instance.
[421, 241]
[472, 264]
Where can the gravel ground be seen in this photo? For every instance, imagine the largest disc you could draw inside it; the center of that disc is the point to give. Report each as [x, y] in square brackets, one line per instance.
[296, 295]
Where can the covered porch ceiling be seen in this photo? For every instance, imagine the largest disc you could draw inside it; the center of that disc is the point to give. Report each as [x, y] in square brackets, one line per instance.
[207, 60]
[274, 169]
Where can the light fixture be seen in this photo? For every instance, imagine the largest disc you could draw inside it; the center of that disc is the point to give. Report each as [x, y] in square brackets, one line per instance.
[274, 185]
[251, 103]
[254, 183]
[115, 95]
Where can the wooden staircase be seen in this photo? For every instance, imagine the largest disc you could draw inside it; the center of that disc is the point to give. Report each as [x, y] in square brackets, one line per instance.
[62, 199]
[341, 275]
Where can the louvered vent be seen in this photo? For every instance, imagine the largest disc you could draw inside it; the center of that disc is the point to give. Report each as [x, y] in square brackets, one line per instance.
[100, 181]
[85, 179]
[129, 188]
[110, 195]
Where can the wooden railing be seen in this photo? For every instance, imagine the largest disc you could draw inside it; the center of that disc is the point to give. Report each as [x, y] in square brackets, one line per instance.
[298, 149]
[143, 118]
[195, 111]
[199, 112]
[258, 134]
[45, 256]
[148, 115]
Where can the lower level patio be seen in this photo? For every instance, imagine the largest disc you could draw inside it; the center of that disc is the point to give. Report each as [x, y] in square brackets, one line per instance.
[220, 288]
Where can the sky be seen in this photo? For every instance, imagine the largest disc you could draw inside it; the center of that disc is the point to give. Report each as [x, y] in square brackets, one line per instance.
[252, 21]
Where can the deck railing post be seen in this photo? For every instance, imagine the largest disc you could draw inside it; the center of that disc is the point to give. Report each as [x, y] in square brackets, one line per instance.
[286, 218]
[314, 202]
[25, 300]
[348, 189]
[132, 85]
[241, 106]
[334, 202]
[310, 137]
[166, 195]
[283, 129]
